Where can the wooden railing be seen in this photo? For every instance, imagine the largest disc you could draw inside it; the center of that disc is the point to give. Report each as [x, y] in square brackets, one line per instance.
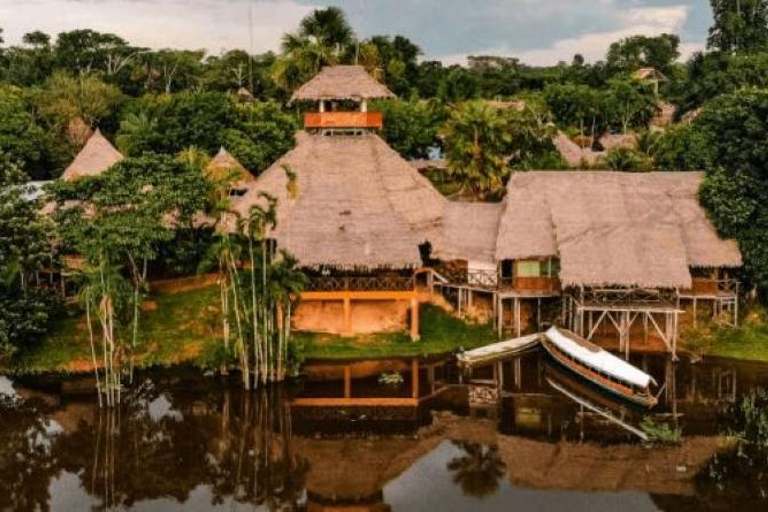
[490, 279]
[328, 120]
[362, 283]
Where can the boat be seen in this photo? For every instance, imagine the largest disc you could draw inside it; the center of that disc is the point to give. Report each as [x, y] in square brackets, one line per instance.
[599, 366]
[498, 351]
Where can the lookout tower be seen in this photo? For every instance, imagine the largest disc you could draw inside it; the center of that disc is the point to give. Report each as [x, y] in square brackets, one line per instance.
[341, 94]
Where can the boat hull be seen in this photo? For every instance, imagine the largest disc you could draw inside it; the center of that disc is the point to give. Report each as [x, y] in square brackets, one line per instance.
[644, 399]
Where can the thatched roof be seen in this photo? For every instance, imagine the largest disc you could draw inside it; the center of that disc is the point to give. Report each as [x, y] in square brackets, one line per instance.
[342, 83]
[469, 232]
[426, 164]
[613, 229]
[611, 141]
[573, 154]
[97, 156]
[354, 203]
[224, 163]
[649, 74]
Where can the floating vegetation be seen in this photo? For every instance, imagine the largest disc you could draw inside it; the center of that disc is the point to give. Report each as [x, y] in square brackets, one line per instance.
[659, 433]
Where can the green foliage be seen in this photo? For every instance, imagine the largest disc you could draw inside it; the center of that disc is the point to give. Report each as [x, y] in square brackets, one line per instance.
[629, 104]
[635, 52]
[254, 133]
[628, 160]
[740, 26]
[477, 141]
[411, 127]
[21, 137]
[26, 247]
[659, 433]
[682, 148]
[734, 191]
[712, 74]
[393, 379]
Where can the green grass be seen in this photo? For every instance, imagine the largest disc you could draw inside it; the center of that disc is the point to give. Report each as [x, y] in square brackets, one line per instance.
[182, 328]
[440, 333]
[749, 342]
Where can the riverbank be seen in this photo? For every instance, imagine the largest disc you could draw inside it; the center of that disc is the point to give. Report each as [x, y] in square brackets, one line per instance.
[183, 327]
[748, 342]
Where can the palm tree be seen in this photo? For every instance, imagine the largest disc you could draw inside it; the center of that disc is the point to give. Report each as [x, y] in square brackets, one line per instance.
[478, 472]
[477, 144]
[323, 38]
[136, 131]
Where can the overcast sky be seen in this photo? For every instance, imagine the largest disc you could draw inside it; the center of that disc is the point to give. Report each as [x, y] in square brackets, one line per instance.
[538, 31]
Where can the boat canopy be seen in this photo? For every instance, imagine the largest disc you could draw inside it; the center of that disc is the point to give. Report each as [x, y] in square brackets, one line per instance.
[599, 359]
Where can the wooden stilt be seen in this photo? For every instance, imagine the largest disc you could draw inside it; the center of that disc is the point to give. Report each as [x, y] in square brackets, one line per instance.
[415, 319]
[415, 378]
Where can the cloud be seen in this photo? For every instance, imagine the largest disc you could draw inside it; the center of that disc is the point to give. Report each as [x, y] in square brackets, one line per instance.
[539, 31]
[192, 24]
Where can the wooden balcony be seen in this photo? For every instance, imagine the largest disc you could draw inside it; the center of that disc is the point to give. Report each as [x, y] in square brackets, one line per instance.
[343, 120]
[490, 280]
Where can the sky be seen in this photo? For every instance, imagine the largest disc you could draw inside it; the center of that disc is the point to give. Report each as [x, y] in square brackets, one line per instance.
[540, 32]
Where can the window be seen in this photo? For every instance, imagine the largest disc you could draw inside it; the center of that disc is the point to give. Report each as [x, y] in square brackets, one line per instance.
[528, 268]
[554, 268]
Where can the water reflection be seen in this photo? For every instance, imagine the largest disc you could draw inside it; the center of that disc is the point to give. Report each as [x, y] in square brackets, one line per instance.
[182, 442]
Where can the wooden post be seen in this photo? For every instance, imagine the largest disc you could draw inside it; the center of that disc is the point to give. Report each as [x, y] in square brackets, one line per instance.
[347, 382]
[415, 378]
[414, 319]
[347, 316]
[518, 327]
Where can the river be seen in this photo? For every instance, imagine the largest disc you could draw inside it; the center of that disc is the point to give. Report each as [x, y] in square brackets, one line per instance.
[183, 441]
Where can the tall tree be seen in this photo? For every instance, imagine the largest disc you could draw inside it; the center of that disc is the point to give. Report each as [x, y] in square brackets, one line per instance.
[735, 190]
[740, 26]
[477, 142]
[637, 52]
[21, 137]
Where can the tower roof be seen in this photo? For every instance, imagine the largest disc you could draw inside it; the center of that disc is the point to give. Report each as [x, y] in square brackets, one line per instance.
[97, 156]
[224, 163]
[342, 83]
[354, 203]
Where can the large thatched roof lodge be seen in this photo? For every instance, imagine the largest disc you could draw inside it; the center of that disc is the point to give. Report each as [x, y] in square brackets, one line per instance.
[613, 256]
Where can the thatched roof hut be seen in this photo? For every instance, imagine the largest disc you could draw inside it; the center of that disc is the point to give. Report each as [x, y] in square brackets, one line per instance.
[611, 141]
[651, 74]
[613, 229]
[469, 232]
[573, 154]
[354, 203]
[97, 156]
[224, 164]
[342, 83]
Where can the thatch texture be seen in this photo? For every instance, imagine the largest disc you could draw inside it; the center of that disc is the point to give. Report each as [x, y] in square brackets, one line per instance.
[573, 154]
[611, 141]
[224, 164]
[613, 229]
[469, 232]
[97, 156]
[342, 83]
[649, 74]
[354, 203]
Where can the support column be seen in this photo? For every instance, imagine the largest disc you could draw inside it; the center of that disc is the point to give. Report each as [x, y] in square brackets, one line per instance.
[518, 327]
[415, 319]
[347, 316]
[415, 378]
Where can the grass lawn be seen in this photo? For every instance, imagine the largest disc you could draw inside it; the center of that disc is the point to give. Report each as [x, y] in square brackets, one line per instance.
[176, 328]
[440, 333]
[183, 328]
[749, 342]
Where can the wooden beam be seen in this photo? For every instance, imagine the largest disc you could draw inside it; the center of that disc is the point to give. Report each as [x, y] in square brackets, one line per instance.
[356, 402]
[415, 320]
[359, 295]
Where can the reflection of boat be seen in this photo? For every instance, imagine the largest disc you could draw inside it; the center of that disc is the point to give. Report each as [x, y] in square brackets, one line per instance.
[498, 351]
[591, 398]
[599, 366]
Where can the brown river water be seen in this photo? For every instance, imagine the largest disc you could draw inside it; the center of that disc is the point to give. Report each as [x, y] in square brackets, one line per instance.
[546, 441]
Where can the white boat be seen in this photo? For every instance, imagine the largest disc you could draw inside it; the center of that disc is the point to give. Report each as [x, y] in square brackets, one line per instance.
[498, 351]
[599, 366]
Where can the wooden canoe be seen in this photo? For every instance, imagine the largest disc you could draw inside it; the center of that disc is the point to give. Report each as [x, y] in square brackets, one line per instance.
[599, 367]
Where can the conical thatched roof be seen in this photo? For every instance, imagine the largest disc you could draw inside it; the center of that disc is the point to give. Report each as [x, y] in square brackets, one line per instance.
[97, 156]
[354, 203]
[224, 163]
[342, 83]
[613, 229]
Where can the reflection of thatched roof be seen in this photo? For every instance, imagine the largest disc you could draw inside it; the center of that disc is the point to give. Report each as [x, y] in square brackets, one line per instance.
[97, 156]
[348, 469]
[624, 229]
[469, 231]
[588, 467]
[223, 164]
[342, 83]
[354, 203]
